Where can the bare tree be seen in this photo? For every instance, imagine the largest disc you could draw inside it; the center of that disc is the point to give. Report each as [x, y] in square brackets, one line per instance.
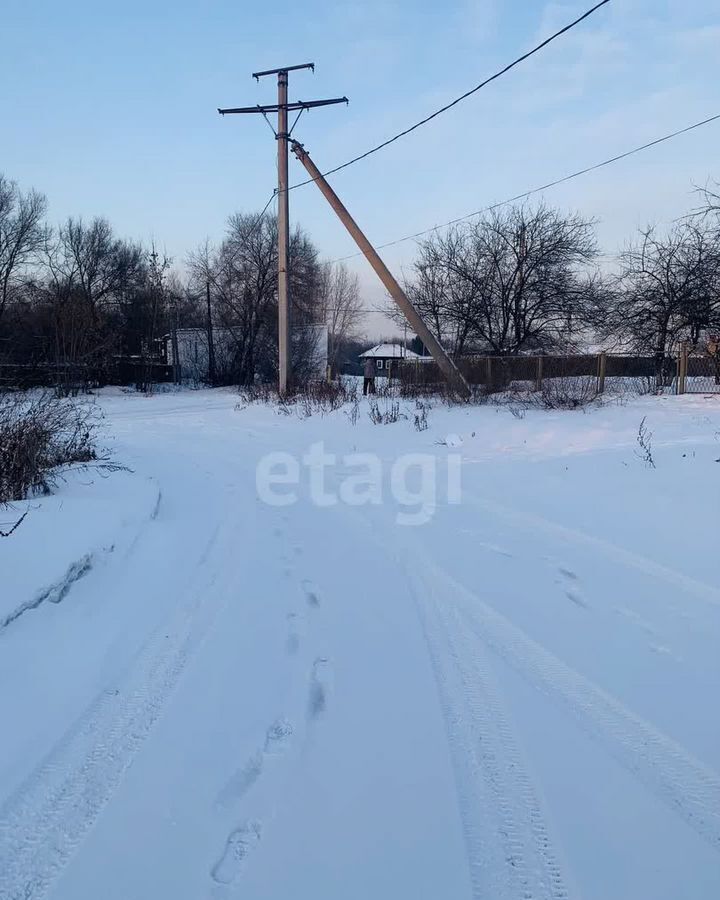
[155, 295]
[90, 276]
[101, 264]
[710, 208]
[519, 279]
[21, 234]
[242, 273]
[339, 305]
[668, 290]
[442, 296]
[529, 269]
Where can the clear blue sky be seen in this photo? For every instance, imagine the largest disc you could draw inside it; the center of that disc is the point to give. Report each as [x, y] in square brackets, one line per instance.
[110, 109]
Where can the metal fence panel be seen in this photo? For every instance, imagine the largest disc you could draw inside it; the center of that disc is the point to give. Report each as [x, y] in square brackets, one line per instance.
[703, 374]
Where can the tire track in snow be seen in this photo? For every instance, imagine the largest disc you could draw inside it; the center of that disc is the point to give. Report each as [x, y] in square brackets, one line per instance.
[685, 583]
[508, 844]
[57, 591]
[685, 784]
[77, 570]
[43, 823]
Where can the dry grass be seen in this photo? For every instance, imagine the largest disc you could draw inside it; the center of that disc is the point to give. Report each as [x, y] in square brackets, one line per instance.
[39, 436]
[310, 398]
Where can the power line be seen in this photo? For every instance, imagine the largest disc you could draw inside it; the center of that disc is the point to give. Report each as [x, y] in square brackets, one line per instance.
[260, 216]
[459, 99]
[544, 187]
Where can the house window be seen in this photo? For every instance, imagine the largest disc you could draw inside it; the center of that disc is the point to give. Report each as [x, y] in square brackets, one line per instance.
[379, 364]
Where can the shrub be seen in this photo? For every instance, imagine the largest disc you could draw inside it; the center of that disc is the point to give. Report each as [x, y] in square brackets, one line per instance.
[39, 434]
[387, 416]
[421, 419]
[568, 392]
[306, 398]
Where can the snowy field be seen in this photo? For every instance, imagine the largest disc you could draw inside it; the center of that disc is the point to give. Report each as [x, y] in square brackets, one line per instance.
[225, 676]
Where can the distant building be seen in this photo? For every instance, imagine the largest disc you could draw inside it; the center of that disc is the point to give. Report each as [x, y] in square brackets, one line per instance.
[311, 345]
[309, 341]
[193, 356]
[386, 356]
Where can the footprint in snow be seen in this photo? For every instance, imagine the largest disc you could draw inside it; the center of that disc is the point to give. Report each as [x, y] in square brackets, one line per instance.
[277, 736]
[570, 580]
[237, 847]
[240, 782]
[292, 644]
[311, 593]
[318, 694]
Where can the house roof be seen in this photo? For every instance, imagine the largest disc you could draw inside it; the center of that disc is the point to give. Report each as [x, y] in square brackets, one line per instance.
[390, 351]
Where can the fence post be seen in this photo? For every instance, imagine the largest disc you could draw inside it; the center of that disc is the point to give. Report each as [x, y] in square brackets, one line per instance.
[602, 366]
[488, 371]
[539, 376]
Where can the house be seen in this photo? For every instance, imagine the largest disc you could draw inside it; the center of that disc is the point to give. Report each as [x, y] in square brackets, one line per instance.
[386, 356]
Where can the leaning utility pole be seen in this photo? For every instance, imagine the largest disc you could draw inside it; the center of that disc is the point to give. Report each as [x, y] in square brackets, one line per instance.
[282, 135]
[445, 364]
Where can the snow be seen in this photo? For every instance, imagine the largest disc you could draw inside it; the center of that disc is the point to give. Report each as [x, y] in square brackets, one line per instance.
[307, 699]
[66, 533]
[391, 351]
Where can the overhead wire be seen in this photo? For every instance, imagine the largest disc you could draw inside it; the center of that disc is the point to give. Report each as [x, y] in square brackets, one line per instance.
[261, 215]
[543, 187]
[469, 93]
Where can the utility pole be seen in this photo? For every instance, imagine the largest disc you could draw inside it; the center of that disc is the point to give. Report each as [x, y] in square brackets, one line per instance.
[284, 312]
[519, 293]
[177, 371]
[282, 135]
[445, 364]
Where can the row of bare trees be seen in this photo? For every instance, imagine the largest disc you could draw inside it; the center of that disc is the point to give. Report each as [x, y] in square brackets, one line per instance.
[76, 299]
[532, 279]
[520, 279]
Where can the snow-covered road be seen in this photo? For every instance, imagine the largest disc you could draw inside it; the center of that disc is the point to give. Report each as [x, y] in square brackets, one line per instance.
[515, 700]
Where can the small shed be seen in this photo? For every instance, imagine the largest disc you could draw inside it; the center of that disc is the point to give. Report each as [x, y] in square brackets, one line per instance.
[386, 356]
[310, 349]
